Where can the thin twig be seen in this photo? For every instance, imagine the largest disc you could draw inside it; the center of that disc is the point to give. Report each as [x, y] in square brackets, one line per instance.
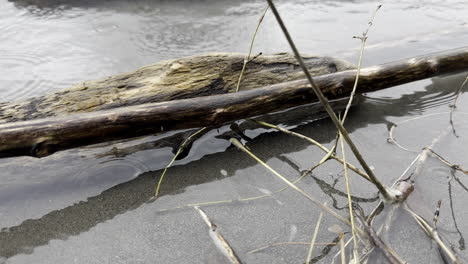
[418, 162]
[219, 240]
[323, 100]
[391, 139]
[247, 59]
[181, 148]
[461, 241]
[433, 234]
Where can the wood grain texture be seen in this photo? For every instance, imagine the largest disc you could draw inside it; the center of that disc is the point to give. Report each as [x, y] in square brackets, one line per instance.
[43, 137]
[183, 78]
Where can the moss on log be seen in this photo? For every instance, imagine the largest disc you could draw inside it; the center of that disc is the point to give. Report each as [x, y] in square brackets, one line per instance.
[170, 80]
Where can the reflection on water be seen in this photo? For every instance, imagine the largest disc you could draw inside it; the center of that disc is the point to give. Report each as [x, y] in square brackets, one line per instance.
[440, 92]
[100, 197]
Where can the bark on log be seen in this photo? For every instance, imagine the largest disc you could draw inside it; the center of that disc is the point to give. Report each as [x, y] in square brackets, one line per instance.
[170, 80]
[43, 137]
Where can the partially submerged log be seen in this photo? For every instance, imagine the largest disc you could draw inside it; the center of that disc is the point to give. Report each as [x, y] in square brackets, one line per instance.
[289, 118]
[43, 137]
[170, 80]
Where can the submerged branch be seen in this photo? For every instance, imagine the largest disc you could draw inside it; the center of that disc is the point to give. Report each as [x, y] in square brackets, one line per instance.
[221, 243]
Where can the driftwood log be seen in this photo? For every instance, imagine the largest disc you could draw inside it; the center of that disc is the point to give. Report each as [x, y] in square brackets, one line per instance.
[43, 137]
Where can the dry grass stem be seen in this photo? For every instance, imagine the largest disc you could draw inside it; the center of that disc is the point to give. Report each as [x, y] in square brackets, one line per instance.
[247, 59]
[350, 203]
[219, 240]
[323, 100]
[181, 148]
[312, 242]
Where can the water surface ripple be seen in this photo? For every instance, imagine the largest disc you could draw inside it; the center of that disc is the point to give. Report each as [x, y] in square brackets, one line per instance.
[93, 205]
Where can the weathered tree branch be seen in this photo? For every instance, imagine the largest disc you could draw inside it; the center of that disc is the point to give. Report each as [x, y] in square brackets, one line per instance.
[43, 137]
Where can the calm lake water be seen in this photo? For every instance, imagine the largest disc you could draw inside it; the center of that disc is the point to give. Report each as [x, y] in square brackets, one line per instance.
[93, 205]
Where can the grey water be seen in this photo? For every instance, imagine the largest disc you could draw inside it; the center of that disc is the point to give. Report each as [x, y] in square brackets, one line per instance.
[93, 204]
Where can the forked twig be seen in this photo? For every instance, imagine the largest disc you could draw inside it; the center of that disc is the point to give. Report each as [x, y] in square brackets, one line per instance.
[247, 59]
[363, 39]
[323, 100]
[417, 162]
